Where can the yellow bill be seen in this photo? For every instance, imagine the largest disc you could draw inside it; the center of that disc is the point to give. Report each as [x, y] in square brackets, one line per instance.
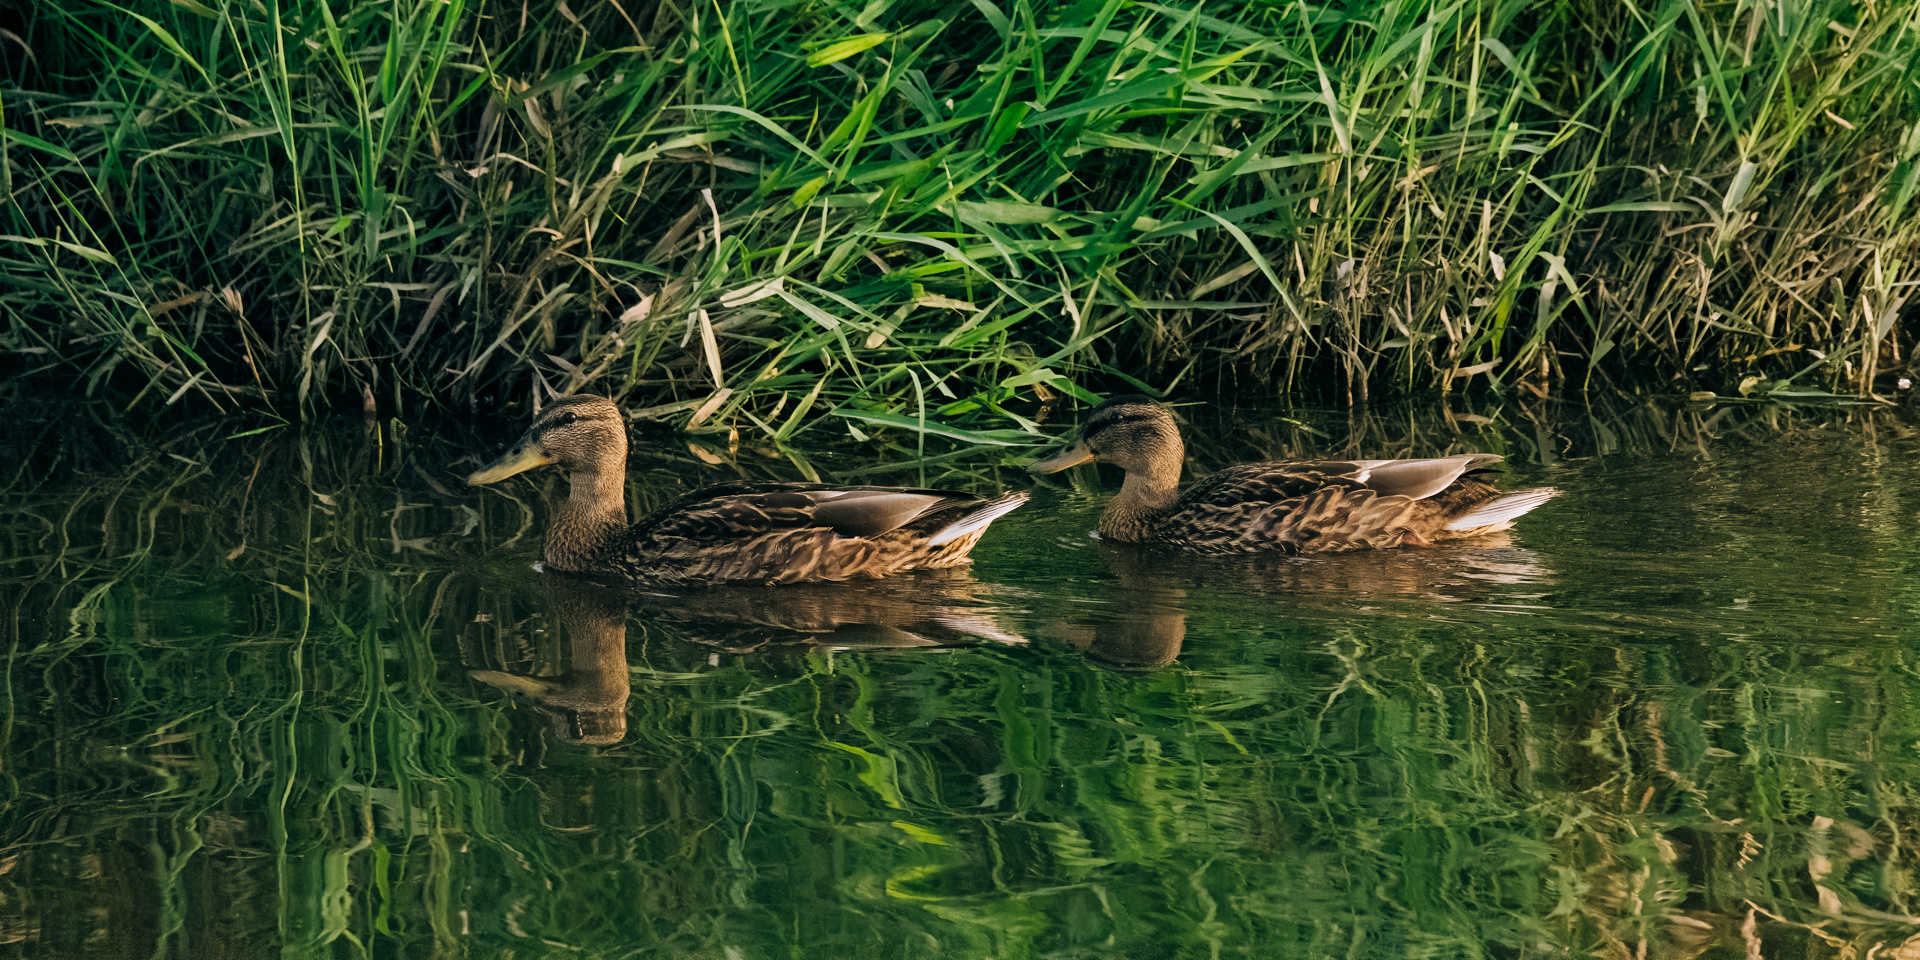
[1072, 454]
[523, 457]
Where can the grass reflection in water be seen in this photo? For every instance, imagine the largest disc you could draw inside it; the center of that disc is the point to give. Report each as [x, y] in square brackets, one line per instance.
[257, 702]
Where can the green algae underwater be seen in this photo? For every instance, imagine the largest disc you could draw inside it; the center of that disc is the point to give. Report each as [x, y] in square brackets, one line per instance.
[303, 695]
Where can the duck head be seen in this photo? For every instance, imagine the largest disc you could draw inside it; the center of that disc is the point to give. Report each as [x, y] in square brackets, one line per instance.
[587, 438]
[1133, 433]
[579, 434]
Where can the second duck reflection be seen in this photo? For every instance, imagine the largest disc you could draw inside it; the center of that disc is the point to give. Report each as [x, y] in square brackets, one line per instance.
[578, 676]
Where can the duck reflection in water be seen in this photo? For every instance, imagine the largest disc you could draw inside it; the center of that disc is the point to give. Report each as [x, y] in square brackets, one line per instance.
[1489, 569]
[1144, 624]
[587, 699]
[912, 611]
[929, 608]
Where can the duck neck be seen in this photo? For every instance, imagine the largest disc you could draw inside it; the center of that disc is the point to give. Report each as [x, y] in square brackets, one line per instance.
[593, 515]
[1144, 496]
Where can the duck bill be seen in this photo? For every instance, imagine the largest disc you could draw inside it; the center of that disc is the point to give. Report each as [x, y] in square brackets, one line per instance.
[523, 457]
[1072, 454]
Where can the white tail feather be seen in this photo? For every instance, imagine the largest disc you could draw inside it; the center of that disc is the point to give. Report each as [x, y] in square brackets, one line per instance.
[1502, 510]
[989, 512]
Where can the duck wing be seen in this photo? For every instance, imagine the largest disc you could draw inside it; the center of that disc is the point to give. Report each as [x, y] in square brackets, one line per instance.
[1307, 506]
[796, 532]
[1276, 481]
[1281, 480]
[1421, 479]
[744, 510]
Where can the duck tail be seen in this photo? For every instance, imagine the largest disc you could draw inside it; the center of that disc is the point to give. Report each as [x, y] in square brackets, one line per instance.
[978, 518]
[1502, 510]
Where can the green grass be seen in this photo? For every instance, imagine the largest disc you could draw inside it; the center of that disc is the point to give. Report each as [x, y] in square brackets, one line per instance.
[766, 216]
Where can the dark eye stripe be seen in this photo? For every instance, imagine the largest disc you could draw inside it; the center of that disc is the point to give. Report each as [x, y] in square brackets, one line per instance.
[1116, 419]
[553, 421]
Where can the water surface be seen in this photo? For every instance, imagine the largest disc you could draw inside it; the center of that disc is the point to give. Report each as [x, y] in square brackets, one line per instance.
[288, 695]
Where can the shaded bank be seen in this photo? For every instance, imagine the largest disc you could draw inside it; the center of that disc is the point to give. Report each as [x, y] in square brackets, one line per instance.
[756, 214]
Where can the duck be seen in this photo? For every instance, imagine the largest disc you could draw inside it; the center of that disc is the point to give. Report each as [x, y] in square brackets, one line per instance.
[732, 532]
[1290, 506]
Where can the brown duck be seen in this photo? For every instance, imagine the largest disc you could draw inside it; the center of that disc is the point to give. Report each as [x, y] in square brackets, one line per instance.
[732, 532]
[1288, 506]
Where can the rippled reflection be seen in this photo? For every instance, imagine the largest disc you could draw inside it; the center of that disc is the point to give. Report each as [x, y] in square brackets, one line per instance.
[930, 608]
[301, 696]
[585, 691]
[1142, 622]
[577, 674]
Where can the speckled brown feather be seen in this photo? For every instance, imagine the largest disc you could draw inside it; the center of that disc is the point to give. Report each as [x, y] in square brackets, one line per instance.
[1305, 507]
[1283, 506]
[738, 531]
[770, 533]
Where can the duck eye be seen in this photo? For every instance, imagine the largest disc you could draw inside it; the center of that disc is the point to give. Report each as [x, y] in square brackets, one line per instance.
[568, 417]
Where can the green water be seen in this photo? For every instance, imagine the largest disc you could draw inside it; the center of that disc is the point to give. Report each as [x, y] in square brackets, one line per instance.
[299, 696]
